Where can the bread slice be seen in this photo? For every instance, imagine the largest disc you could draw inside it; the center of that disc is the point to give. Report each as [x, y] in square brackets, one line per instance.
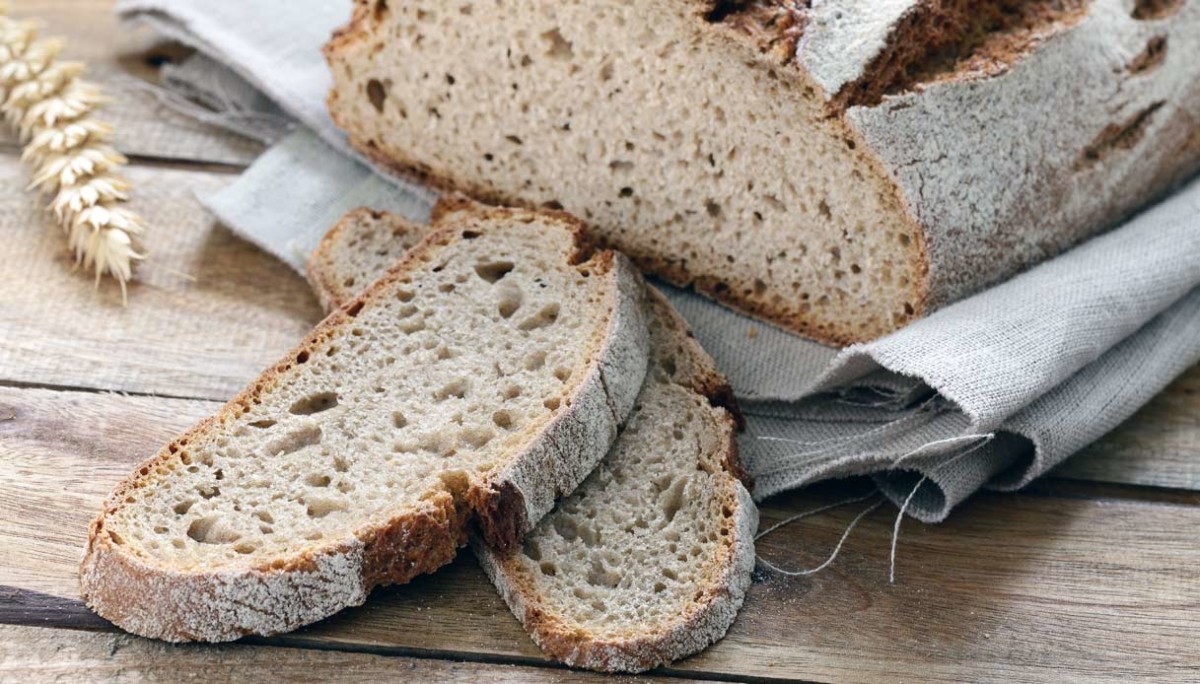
[649, 559]
[837, 168]
[477, 381]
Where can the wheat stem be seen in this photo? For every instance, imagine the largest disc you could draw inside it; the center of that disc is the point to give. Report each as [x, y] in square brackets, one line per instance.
[43, 100]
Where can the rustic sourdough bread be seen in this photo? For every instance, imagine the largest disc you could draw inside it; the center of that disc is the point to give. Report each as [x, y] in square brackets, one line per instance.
[649, 559]
[484, 376]
[837, 167]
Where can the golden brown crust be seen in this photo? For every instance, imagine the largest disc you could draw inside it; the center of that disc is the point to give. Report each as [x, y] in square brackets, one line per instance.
[501, 512]
[396, 554]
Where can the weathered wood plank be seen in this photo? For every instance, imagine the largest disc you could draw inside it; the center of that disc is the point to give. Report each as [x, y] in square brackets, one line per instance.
[206, 312]
[1012, 587]
[37, 654]
[120, 59]
[1159, 446]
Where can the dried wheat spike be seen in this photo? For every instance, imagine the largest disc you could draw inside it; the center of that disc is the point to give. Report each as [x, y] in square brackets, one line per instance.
[69, 153]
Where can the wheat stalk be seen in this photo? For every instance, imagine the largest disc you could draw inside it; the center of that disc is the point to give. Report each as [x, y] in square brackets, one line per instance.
[69, 153]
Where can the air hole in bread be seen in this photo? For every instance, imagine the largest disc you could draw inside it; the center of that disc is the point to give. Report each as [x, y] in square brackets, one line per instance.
[511, 299]
[376, 93]
[502, 419]
[672, 499]
[411, 325]
[317, 480]
[260, 424]
[1155, 9]
[545, 317]
[208, 491]
[599, 576]
[532, 550]
[380, 11]
[549, 569]
[559, 47]
[398, 420]
[212, 530]
[314, 403]
[493, 271]
[183, 507]
[1150, 58]
[476, 437]
[300, 438]
[456, 388]
[319, 507]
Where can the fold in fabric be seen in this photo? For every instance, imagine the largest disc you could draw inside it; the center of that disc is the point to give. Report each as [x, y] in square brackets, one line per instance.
[994, 390]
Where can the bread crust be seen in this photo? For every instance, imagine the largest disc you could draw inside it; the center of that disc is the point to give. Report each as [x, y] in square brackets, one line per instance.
[225, 604]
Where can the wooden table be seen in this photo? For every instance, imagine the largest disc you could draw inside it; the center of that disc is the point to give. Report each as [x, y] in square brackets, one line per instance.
[1091, 574]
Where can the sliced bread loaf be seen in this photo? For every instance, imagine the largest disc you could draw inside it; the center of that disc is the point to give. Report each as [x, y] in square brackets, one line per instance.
[480, 379]
[838, 167]
[649, 559]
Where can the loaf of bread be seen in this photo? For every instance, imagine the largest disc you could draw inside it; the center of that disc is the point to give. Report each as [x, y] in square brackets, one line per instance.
[479, 380]
[837, 167]
[648, 561]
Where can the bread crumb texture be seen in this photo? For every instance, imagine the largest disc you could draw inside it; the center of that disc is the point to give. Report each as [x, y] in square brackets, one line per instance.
[359, 458]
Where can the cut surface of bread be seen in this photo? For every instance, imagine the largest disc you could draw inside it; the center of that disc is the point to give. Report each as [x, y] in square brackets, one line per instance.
[480, 379]
[373, 237]
[648, 561]
[836, 168]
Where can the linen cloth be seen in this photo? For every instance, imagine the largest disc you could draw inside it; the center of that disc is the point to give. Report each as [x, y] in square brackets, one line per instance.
[993, 391]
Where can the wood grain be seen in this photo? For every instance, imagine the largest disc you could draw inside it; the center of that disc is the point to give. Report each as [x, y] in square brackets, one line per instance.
[1159, 446]
[206, 313]
[36, 654]
[123, 60]
[1011, 588]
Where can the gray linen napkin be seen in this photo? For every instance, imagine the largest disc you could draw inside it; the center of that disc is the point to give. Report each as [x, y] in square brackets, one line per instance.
[992, 391]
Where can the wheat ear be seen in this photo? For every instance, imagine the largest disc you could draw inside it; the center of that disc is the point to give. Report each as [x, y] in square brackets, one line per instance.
[69, 153]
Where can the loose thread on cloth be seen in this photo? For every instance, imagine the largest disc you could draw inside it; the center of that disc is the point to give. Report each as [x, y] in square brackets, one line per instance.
[836, 549]
[896, 529]
[982, 441]
[911, 495]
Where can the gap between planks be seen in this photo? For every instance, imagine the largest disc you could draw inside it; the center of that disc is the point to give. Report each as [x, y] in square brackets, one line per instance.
[38, 653]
